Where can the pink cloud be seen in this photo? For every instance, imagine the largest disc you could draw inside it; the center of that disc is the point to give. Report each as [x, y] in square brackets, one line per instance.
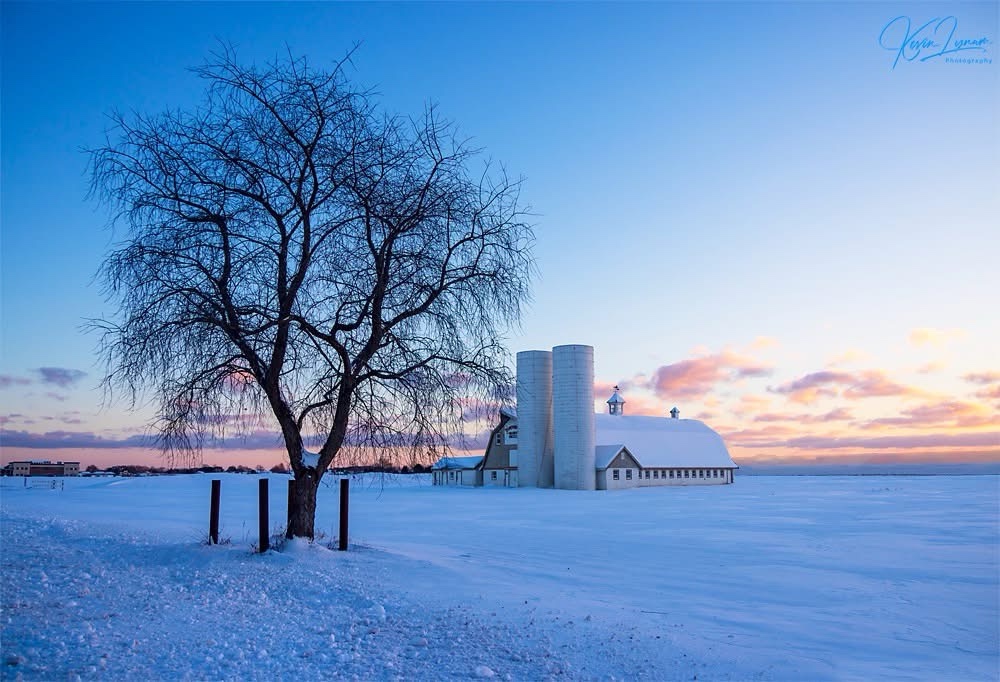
[902, 442]
[7, 380]
[983, 378]
[854, 386]
[837, 415]
[695, 377]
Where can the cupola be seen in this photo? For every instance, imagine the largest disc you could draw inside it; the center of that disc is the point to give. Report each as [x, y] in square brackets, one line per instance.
[616, 404]
[675, 413]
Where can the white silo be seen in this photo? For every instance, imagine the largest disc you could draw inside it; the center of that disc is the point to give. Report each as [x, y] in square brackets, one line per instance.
[573, 416]
[534, 419]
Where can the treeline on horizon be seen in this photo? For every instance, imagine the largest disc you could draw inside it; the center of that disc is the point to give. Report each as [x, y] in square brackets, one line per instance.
[144, 470]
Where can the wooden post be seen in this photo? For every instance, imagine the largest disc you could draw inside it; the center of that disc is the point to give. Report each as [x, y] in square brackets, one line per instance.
[262, 514]
[291, 496]
[213, 513]
[344, 504]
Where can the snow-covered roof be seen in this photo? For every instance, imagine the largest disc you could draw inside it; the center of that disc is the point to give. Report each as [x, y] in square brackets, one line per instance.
[605, 454]
[616, 398]
[508, 412]
[663, 442]
[457, 462]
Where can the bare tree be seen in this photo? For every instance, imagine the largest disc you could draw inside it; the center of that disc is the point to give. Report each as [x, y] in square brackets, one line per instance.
[293, 252]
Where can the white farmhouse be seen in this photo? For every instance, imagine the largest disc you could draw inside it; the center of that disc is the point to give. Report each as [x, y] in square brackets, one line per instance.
[555, 440]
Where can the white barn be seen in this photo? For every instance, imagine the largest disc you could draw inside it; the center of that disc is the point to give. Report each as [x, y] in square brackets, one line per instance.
[555, 439]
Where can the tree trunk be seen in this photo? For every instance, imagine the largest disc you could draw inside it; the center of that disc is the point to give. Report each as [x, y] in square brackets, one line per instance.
[303, 508]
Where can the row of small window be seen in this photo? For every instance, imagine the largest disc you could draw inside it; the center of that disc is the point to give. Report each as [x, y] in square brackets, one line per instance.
[670, 473]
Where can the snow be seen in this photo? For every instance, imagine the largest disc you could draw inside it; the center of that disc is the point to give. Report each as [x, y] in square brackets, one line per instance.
[658, 442]
[310, 459]
[773, 578]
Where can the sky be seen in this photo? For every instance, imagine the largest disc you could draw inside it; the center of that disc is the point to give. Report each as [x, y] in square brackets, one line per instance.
[782, 218]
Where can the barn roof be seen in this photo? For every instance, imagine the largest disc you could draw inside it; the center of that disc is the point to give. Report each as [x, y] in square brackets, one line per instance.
[662, 442]
[457, 462]
[605, 454]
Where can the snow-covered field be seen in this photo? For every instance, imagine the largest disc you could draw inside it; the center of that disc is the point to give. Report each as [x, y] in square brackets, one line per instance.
[795, 578]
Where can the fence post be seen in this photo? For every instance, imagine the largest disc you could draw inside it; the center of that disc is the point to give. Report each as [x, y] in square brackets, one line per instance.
[262, 515]
[344, 504]
[213, 513]
[291, 497]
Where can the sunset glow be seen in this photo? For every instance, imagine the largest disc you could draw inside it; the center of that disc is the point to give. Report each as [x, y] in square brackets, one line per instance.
[781, 234]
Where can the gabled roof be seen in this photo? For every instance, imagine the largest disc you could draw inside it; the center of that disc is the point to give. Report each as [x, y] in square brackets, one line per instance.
[616, 398]
[662, 442]
[605, 454]
[457, 462]
[508, 412]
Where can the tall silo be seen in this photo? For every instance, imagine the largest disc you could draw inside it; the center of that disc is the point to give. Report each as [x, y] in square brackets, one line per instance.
[573, 416]
[534, 419]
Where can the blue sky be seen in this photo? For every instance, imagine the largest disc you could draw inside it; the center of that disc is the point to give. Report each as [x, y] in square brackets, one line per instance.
[734, 185]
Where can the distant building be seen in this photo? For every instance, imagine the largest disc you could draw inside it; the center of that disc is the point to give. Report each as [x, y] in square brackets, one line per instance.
[457, 471]
[41, 467]
[555, 440]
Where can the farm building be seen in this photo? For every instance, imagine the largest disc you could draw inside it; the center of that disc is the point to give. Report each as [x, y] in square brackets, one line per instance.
[457, 471]
[555, 440]
[41, 467]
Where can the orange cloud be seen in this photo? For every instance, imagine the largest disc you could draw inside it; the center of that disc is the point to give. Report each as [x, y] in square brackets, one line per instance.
[764, 342]
[900, 442]
[955, 413]
[929, 336]
[849, 356]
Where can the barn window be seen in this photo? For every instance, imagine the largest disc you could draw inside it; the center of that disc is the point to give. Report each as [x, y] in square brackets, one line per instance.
[628, 474]
[493, 475]
[647, 473]
[451, 475]
[687, 474]
[615, 475]
[656, 473]
[701, 473]
[499, 438]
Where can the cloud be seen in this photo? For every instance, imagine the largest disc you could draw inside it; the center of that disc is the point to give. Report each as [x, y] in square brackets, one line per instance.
[70, 439]
[812, 386]
[875, 384]
[958, 413]
[848, 357]
[903, 442]
[989, 393]
[60, 376]
[840, 414]
[7, 380]
[853, 386]
[764, 342]
[982, 378]
[695, 377]
[929, 336]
